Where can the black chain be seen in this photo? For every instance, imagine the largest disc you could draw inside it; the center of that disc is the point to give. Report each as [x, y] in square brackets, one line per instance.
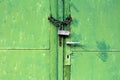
[58, 23]
[54, 21]
[67, 21]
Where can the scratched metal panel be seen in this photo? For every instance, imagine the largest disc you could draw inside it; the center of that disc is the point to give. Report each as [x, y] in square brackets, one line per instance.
[95, 66]
[23, 24]
[96, 24]
[24, 65]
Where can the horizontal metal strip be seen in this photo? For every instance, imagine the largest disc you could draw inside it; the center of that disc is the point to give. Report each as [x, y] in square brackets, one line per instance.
[95, 51]
[24, 49]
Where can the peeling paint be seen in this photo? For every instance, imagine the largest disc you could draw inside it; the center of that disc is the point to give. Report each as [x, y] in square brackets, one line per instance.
[101, 45]
[103, 56]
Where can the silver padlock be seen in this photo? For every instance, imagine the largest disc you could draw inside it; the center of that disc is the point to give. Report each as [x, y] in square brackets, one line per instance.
[63, 33]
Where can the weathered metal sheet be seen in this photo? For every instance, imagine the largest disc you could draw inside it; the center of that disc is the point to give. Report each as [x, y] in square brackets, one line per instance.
[25, 50]
[23, 24]
[96, 24]
[95, 66]
[24, 65]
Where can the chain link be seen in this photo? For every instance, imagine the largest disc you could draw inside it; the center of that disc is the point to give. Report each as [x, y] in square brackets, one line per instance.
[58, 23]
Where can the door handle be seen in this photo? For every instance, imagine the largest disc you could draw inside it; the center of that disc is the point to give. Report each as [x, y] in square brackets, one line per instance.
[72, 43]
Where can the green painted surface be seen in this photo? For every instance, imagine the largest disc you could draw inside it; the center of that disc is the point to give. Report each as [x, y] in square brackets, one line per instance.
[24, 65]
[95, 66]
[96, 24]
[23, 24]
[29, 48]
[26, 40]
[66, 48]
[53, 44]
[60, 16]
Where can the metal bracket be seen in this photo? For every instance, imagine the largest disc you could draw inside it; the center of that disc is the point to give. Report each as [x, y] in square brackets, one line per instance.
[67, 59]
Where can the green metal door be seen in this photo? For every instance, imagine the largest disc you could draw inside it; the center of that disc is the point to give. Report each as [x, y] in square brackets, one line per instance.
[96, 25]
[30, 47]
[25, 50]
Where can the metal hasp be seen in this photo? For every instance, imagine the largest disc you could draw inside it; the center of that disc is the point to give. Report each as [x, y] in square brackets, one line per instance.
[72, 43]
[60, 25]
[63, 33]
